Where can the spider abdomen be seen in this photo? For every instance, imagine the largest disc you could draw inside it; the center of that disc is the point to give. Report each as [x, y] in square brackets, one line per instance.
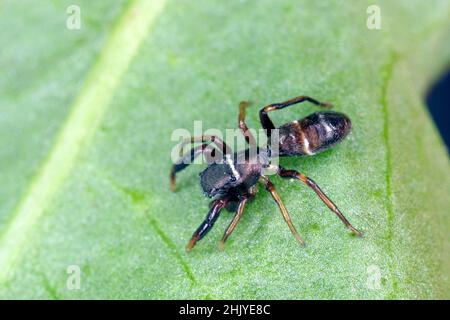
[313, 134]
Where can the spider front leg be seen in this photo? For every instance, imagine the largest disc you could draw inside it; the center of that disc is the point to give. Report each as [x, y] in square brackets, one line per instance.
[208, 223]
[271, 188]
[310, 183]
[221, 145]
[237, 216]
[233, 223]
[187, 159]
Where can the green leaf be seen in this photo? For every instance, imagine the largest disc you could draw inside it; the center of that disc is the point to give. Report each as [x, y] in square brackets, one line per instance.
[86, 122]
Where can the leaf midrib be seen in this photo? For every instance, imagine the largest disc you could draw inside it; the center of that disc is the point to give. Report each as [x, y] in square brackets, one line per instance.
[80, 126]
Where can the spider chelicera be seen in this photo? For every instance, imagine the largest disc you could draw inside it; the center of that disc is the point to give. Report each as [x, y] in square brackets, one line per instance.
[232, 180]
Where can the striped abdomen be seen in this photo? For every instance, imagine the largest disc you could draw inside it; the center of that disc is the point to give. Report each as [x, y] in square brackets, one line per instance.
[313, 134]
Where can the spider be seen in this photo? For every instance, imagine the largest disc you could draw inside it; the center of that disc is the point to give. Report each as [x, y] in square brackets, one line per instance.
[231, 181]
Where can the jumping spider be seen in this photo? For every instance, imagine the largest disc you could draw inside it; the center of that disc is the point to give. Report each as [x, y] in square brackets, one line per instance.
[231, 183]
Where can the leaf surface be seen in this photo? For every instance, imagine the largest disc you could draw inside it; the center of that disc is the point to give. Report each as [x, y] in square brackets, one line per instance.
[86, 123]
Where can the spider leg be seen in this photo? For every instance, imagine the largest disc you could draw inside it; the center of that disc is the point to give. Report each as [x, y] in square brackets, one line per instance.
[221, 145]
[186, 160]
[271, 188]
[243, 126]
[268, 124]
[239, 210]
[234, 222]
[310, 183]
[208, 223]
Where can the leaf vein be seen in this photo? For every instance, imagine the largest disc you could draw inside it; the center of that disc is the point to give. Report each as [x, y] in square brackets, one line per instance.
[386, 72]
